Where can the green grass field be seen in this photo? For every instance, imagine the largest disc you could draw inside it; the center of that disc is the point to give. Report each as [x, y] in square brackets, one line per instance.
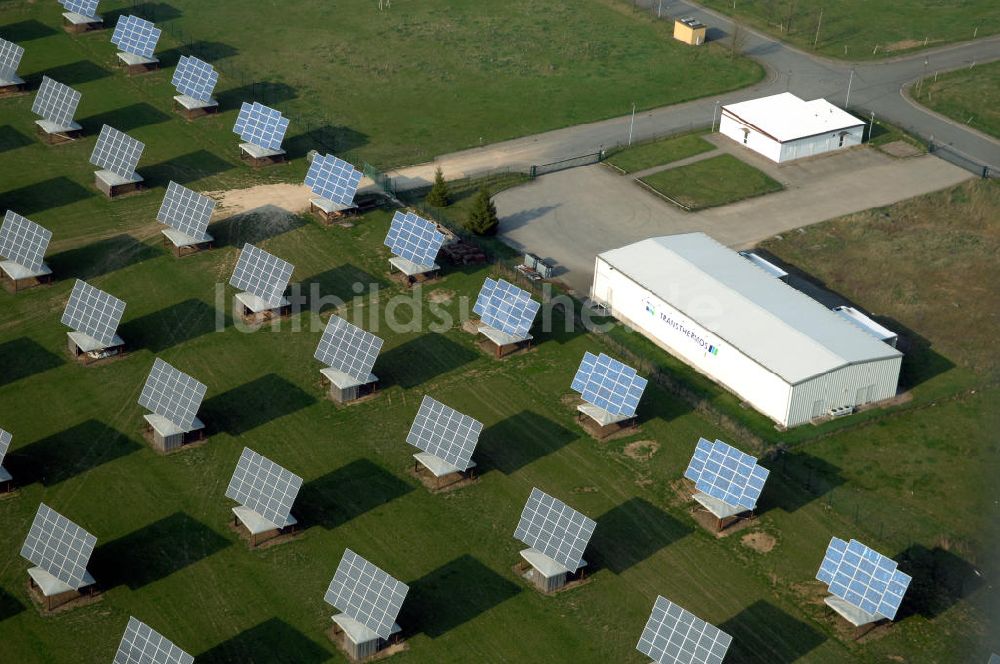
[860, 26]
[166, 553]
[401, 86]
[968, 96]
[656, 153]
[710, 182]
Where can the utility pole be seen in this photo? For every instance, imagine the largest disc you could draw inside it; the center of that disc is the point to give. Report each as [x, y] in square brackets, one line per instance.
[659, 9]
[631, 125]
[850, 81]
[715, 111]
[871, 126]
[818, 24]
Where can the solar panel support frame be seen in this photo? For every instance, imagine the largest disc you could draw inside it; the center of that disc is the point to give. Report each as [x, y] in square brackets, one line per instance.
[165, 436]
[137, 64]
[345, 389]
[76, 23]
[547, 575]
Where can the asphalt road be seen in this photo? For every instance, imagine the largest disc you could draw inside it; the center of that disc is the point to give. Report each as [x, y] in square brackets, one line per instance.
[876, 86]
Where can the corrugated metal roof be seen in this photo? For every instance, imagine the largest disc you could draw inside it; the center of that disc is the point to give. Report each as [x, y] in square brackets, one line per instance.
[787, 117]
[781, 328]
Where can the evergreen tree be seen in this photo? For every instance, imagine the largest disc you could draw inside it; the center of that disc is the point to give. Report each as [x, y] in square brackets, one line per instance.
[483, 218]
[439, 195]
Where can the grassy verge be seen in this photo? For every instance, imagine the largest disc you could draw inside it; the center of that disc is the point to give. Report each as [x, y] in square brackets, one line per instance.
[880, 133]
[662, 151]
[716, 181]
[455, 77]
[968, 96]
[861, 30]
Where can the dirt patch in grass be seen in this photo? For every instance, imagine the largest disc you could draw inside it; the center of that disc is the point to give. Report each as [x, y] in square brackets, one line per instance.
[900, 149]
[441, 296]
[642, 450]
[758, 541]
[275, 198]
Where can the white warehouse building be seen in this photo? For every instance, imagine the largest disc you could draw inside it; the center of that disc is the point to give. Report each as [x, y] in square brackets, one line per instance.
[783, 127]
[779, 350]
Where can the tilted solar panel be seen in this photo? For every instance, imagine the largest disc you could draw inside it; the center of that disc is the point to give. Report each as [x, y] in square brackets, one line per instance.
[445, 433]
[135, 35]
[172, 394]
[186, 211]
[724, 472]
[262, 274]
[366, 593]
[141, 644]
[82, 7]
[609, 384]
[10, 59]
[676, 636]
[93, 312]
[117, 152]
[414, 238]
[56, 102]
[348, 348]
[554, 528]
[23, 241]
[333, 179]
[505, 307]
[264, 487]
[195, 78]
[261, 125]
[58, 546]
[863, 577]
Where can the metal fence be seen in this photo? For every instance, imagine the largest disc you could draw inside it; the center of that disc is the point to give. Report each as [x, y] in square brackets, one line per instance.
[563, 164]
[949, 154]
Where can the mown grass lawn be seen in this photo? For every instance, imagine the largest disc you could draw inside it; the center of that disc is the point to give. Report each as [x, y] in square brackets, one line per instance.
[400, 86]
[656, 153]
[894, 27]
[967, 96]
[167, 555]
[715, 181]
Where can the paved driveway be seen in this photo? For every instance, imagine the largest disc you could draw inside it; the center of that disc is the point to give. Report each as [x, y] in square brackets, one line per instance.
[571, 216]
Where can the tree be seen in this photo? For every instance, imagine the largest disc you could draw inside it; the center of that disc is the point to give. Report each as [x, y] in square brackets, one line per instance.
[483, 218]
[440, 194]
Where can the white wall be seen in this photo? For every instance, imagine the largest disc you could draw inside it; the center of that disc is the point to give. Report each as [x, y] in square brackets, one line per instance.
[756, 141]
[690, 342]
[788, 405]
[853, 385]
[813, 145]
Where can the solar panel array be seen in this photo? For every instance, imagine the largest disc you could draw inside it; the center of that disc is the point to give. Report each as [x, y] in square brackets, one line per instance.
[265, 487]
[262, 274]
[333, 179]
[863, 577]
[172, 394]
[554, 528]
[505, 307]
[56, 102]
[366, 593]
[348, 348]
[609, 384]
[141, 644]
[195, 78]
[414, 238]
[676, 636]
[84, 7]
[23, 241]
[5, 438]
[723, 472]
[445, 433]
[93, 312]
[10, 59]
[117, 152]
[186, 211]
[136, 35]
[58, 546]
[261, 125]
